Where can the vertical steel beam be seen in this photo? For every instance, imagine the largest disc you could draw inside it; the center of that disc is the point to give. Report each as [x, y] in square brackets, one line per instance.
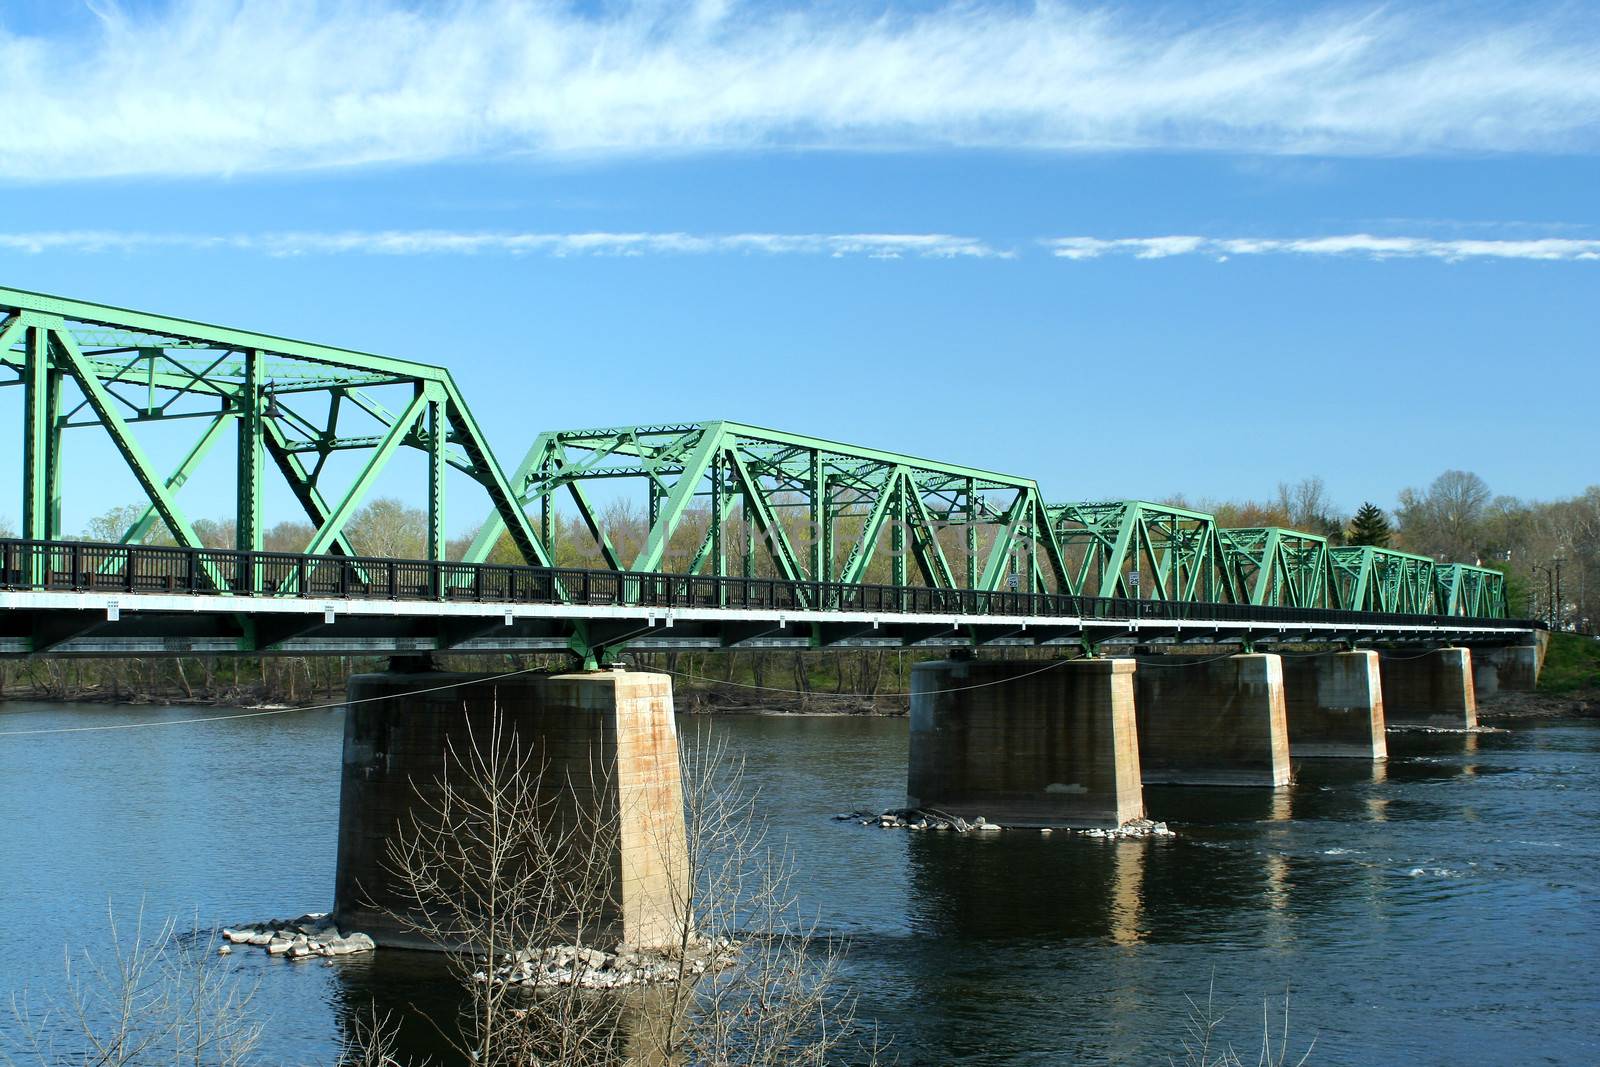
[36, 434]
[820, 561]
[248, 526]
[438, 434]
[897, 531]
[972, 533]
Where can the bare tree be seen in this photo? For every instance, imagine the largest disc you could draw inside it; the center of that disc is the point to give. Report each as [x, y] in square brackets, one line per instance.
[495, 863]
[500, 862]
[1445, 520]
[168, 996]
[390, 529]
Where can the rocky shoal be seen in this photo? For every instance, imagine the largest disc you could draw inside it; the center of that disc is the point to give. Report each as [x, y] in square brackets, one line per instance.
[593, 968]
[312, 934]
[930, 819]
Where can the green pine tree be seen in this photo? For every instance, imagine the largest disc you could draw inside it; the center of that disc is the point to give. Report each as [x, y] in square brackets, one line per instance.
[1370, 526]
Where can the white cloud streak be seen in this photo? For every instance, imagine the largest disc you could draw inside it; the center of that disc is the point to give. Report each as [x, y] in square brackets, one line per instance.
[219, 87]
[1354, 245]
[445, 242]
[829, 245]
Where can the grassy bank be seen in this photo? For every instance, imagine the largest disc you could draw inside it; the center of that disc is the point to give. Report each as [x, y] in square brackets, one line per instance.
[1571, 664]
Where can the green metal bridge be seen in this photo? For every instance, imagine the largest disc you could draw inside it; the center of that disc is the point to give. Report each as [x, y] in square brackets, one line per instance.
[750, 535]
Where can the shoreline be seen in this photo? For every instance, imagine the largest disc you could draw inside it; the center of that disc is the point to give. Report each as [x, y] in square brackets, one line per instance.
[1501, 708]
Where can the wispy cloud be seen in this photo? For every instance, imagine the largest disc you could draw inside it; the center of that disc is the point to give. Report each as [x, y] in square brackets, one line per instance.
[1360, 245]
[200, 87]
[445, 242]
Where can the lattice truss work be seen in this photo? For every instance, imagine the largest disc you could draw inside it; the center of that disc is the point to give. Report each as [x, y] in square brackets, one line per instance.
[1462, 589]
[1176, 553]
[1279, 567]
[816, 510]
[285, 403]
[1369, 578]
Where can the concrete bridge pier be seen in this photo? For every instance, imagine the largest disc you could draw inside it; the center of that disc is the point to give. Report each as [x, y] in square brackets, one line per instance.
[1213, 721]
[1025, 743]
[1514, 668]
[1433, 688]
[608, 748]
[1335, 705]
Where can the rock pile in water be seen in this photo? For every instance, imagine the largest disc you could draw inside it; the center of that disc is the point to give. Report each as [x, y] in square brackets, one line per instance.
[917, 819]
[1135, 828]
[313, 934]
[928, 819]
[592, 968]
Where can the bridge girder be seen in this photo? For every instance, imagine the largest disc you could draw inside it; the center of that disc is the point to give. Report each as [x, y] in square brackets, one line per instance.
[814, 510]
[1370, 578]
[1177, 552]
[1280, 567]
[292, 402]
[1464, 589]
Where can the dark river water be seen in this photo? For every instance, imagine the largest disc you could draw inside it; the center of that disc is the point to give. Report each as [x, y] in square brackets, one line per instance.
[1443, 909]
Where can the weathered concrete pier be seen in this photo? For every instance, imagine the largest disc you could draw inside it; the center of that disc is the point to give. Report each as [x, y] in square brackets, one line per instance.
[1432, 688]
[605, 747]
[1213, 721]
[1335, 705]
[1024, 743]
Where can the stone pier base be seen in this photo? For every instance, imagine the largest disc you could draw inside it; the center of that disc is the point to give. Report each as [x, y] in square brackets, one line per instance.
[1213, 721]
[1429, 688]
[1023, 746]
[608, 748]
[1335, 705]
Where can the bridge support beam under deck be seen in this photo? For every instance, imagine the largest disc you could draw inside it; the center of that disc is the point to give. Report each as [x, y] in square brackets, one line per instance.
[1026, 744]
[1335, 705]
[1208, 721]
[608, 747]
[1429, 688]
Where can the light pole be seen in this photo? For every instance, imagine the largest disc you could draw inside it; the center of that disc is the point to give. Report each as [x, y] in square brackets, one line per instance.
[1560, 607]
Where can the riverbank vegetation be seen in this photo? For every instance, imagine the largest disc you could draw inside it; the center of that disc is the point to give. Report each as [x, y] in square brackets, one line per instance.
[1571, 664]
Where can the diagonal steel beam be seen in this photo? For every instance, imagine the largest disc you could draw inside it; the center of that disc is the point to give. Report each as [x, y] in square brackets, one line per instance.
[369, 473]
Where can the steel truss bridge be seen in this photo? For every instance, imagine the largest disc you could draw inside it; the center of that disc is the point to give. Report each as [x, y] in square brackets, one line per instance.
[751, 536]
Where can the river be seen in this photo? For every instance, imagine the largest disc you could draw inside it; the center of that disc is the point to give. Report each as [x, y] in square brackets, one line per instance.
[1441, 909]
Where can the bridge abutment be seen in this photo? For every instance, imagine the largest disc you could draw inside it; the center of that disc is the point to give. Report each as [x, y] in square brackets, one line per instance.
[1334, 704]
[1025, 744]
[1220, 721]
[1432, 688]
[603, 751]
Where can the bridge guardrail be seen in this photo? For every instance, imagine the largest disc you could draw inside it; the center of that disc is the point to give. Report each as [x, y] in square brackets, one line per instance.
[87, 566]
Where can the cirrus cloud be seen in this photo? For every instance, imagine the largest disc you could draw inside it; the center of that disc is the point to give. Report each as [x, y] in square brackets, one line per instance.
[1361, 245]
[217, 87]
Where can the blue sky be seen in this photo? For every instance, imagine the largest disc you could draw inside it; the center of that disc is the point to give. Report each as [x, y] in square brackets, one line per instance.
[1127, 250]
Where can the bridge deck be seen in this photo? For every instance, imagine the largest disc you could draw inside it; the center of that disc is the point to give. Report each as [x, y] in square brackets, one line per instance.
[101, 599]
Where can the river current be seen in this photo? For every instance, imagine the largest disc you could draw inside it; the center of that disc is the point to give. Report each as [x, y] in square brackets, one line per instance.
[1443, 908]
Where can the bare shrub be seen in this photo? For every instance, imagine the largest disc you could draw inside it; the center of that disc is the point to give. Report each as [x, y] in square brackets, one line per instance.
[1204, 1047]
[165, 997]
[498, 861]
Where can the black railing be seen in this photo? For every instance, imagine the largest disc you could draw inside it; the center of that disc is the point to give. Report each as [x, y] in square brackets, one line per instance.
[87, 566]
